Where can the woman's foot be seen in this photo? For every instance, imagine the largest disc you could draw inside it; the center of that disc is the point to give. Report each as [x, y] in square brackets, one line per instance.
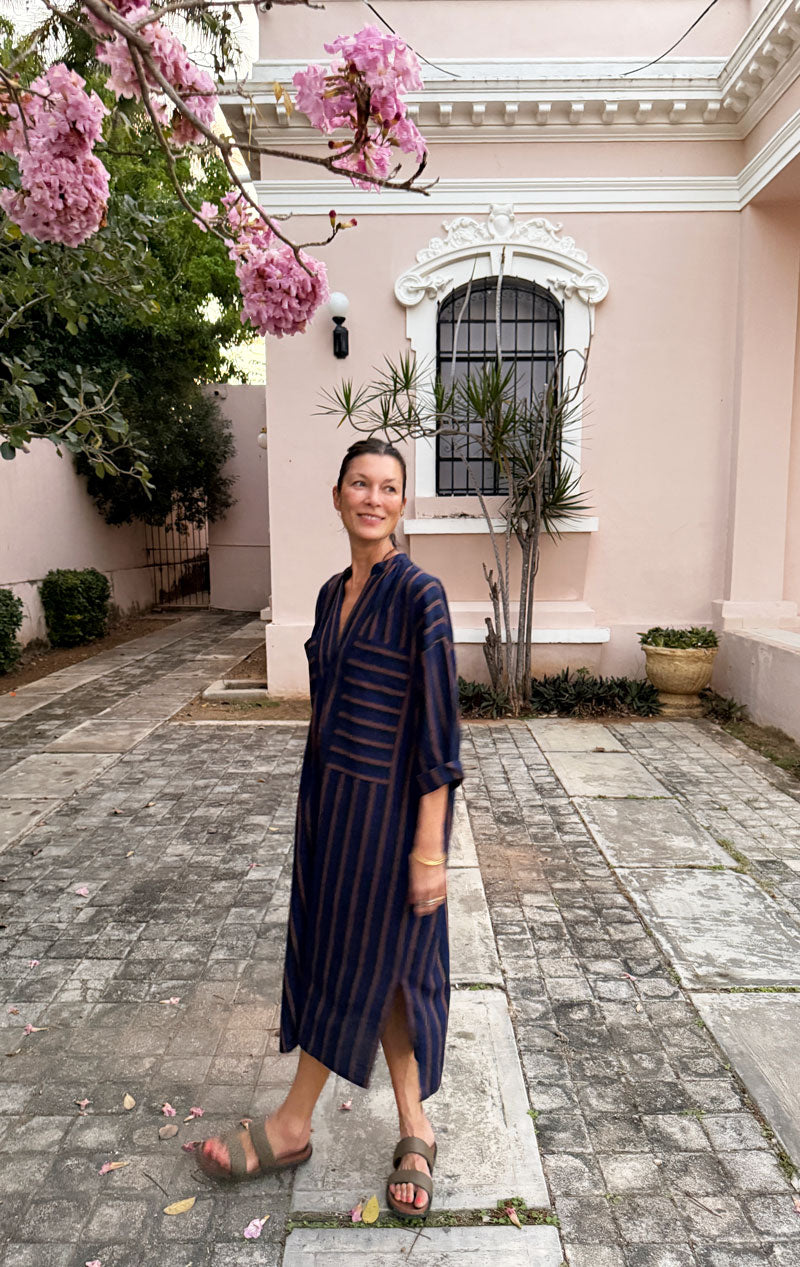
[408, 1193]
[286, 1137]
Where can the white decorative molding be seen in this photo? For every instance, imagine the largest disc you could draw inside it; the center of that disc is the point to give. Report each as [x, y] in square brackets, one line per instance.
[509, 99]
[445, 525]
[530, 195]
[594, 634]
[533, 250]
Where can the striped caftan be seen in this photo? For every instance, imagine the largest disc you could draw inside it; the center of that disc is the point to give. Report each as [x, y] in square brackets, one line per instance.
[384, 731]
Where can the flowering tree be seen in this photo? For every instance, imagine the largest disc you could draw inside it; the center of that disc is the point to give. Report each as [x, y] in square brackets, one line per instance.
[57, 187]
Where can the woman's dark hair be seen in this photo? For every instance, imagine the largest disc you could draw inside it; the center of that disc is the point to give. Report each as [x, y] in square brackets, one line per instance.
[371, 445]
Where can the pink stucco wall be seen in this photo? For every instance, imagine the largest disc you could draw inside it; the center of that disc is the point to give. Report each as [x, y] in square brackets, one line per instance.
[48, 521]
[691, 436]
[238, 545]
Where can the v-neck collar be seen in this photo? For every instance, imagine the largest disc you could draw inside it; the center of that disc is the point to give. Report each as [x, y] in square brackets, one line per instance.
[377, 569]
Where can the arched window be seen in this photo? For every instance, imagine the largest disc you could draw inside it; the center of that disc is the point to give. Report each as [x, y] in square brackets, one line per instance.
[531, 337]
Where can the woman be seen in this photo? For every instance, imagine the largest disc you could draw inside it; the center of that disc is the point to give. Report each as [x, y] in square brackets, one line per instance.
[367, 952]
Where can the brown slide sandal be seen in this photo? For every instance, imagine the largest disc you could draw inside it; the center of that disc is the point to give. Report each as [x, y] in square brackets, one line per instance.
[404, 1209]
[237, 1171]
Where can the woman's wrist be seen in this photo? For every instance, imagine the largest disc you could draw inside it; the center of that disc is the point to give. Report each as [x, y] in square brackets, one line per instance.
[429, 859]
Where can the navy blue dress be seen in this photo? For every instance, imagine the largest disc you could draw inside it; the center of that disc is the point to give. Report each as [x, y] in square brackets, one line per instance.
[384, 732]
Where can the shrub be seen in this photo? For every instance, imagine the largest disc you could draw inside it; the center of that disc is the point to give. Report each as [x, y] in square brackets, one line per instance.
[10, 622]
[720, 708]
[680, 638]
[476, 699]
[568, 694]
[76, 606]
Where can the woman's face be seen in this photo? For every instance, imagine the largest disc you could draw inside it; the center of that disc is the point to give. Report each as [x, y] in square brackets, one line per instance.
[371, 499]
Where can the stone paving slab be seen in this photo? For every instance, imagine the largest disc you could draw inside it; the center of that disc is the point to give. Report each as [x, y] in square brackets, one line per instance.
[650, 834]
[462, 842]
[13, 707]
[485, 1153]
[53, 776]
[604, 774]
[760, 1034]
[473, 954]
[557, 734]
[438, 1246]
[17, 817]
[99, 735]
[718, 927]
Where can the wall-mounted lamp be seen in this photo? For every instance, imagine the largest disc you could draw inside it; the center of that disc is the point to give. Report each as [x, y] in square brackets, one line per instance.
[338, 305]
[262, 438]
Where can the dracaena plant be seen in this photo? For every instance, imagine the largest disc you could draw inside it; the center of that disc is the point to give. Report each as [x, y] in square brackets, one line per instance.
[527, 440]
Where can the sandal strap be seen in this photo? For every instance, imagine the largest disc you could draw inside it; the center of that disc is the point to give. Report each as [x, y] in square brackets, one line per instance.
[412, 1144]
[417, 1177]
[236, 1154]
[261, 1144]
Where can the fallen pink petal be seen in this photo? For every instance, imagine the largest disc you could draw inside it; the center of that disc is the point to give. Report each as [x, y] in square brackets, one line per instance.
[195, 1112]
[28, 1029]
[104, 1169]
[94, 1262]
[82, 891]
[345, 1106]
[168, 1110]
[34, 963]
[13, 1011]
[253, 1229]
[355, 1213]
[191, 1145]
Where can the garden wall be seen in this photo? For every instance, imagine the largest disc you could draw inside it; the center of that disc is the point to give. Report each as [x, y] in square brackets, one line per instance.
[238, 545]
[47, 521]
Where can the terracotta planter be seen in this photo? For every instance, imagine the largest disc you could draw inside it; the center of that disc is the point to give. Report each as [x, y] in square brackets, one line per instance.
[679, 674]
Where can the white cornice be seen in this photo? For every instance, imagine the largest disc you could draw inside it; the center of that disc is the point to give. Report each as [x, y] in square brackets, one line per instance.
[569, 98]
[528, 194]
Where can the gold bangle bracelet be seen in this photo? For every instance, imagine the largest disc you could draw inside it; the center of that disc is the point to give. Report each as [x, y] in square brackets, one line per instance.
[429, 862]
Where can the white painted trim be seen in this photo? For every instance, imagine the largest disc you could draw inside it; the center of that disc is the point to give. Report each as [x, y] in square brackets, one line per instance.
[779, 150]
[444, 526]
[575, 637]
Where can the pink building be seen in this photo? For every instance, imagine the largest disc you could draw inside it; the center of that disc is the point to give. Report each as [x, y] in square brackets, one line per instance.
[656, 207]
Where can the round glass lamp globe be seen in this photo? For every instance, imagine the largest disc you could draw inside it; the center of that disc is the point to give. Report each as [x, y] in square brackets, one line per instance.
[263, 440]
[338, 304]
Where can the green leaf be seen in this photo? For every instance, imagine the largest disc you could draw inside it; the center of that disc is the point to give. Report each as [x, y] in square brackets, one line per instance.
[7, 451]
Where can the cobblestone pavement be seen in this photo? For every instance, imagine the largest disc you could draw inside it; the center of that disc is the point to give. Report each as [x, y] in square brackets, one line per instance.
[162, 982]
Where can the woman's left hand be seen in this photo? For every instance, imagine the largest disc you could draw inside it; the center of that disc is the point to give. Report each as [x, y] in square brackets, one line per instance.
[427, 886]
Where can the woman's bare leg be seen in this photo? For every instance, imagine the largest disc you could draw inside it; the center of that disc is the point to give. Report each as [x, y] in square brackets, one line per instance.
[404, 1073]
[289, 1127]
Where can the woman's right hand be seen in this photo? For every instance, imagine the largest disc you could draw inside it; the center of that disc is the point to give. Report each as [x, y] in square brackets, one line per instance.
[427, 886]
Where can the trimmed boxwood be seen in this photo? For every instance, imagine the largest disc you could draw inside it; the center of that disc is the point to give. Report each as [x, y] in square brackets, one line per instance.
[76, 606]
[10, 623]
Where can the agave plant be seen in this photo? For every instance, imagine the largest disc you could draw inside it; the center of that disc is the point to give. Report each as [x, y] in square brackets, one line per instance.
[527, 440]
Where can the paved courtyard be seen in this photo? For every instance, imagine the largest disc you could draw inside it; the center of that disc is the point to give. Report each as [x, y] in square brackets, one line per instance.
[625, 1028]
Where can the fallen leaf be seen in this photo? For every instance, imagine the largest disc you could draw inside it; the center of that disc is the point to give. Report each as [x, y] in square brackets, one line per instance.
[355, 1214]
[168, 1110]
[93, 1262]
[82, 891]
[149, 804]
[638, 1007]
[371, 1210]
[796, 1201]
[35, 1029]
[112, 1165]
[12, 692]
[35, 851]
[193, 1112]
[168, 1131]
[628, 976]
[128, 1101]
[34, 963]
[174, 1000]
[253, 1229]
[116, 811]
[81, 1103]
[129, 854]
[180, 1207]
[346, 1106]
[513, 1216]
[190, 1145]
[13, 1011]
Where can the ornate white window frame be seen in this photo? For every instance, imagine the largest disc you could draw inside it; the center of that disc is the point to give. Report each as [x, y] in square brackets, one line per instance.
[531, 250]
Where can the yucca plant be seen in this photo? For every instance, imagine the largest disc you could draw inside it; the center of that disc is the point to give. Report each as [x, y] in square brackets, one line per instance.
[524, 439]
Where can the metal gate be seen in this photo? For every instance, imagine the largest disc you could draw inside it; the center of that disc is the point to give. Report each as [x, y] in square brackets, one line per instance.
[179, 565]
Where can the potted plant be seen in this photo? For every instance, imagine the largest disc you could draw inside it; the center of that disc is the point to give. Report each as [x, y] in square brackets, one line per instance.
[679, 664]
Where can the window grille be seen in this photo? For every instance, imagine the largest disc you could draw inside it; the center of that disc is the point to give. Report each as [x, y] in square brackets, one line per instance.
[530, 341]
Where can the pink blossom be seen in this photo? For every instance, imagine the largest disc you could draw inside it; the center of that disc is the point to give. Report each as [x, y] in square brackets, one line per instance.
[253, 1229]
[195, 1112]
[280, 292]
[82, 891]
[34, 963]
[193, 85]
[168, 1110]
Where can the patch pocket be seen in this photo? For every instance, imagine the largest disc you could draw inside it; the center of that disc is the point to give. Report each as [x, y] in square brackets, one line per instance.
[373, 689]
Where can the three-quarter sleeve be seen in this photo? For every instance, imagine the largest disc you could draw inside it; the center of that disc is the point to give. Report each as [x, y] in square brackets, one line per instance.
[437, 686]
